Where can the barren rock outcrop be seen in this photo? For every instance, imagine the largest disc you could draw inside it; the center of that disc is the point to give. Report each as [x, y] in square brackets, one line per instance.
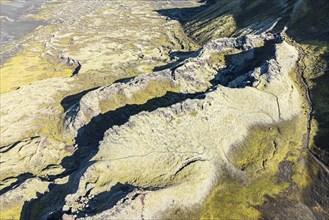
[194, 75]
[147, 145]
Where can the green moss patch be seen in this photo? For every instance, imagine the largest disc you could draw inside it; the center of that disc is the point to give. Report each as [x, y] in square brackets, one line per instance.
[259, 157]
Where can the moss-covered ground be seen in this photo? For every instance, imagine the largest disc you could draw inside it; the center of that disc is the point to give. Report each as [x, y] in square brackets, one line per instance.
[259, 157]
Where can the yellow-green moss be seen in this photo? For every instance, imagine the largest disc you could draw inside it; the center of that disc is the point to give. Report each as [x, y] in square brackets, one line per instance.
[11, 212]
[313, 67]
[222, 26]
[255, 151]
[235, 201]
[28, 67]
[153, 89]
[260, 155]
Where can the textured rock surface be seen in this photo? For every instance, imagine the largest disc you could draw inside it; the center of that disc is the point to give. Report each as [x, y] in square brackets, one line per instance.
[110, 111]
[176, 157]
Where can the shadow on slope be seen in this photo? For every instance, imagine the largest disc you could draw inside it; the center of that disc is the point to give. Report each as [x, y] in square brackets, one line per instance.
[90, 135]
[19, 180]
[320, 98]
[50, 205]
[213, 19]
[244, 62]
[180, 56]
[306, 20]
[106, 200]
[69, 101]
[185, 14]
[308, 23]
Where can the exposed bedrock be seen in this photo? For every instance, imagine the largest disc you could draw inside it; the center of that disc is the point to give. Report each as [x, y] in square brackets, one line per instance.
[232, 62]
[148, 138]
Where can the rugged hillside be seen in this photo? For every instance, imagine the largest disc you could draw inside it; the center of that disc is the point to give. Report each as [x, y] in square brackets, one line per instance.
[166, 110]
[306, 20]
[306, 24]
